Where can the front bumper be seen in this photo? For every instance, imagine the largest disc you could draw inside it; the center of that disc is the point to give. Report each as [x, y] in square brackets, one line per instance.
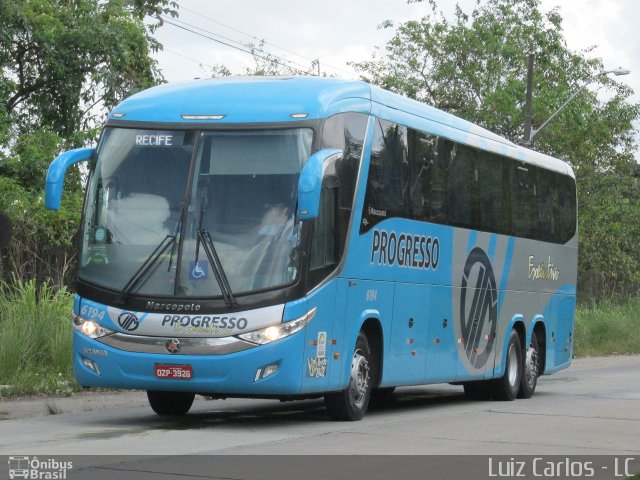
[227, 374]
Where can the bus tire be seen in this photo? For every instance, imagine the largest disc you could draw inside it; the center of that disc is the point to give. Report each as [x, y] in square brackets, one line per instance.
[530, 369]
[476, 390]
[507, 386]
[170, 403]
[351, 403]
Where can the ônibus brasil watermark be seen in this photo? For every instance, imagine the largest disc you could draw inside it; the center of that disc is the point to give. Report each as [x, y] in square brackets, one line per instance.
[38, 469]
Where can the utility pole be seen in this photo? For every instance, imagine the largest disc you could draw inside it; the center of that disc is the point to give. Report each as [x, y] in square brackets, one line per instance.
[528, 115]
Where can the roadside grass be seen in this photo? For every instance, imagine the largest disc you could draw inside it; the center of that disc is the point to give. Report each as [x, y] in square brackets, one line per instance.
[35, 340]
[607, 328]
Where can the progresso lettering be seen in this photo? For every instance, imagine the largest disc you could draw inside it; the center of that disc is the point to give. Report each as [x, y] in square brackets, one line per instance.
[204, 321]
[405, 250]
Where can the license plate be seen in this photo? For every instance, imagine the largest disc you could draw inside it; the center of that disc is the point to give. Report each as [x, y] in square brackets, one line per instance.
[176, 372]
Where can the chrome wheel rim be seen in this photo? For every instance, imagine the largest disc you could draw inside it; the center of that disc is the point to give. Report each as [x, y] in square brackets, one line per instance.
[359, 384]
[531, 366]
[513, 366]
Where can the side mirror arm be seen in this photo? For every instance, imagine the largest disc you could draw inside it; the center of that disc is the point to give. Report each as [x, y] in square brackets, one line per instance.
[56, 172]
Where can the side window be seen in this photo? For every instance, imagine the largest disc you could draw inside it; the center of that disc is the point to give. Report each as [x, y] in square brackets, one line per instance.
[524, 204]
[324, 248]
[463, 187]
[547, 194]
[566, 209]
[345, 131]
[494, 199]
[387, 183]
[428, 164]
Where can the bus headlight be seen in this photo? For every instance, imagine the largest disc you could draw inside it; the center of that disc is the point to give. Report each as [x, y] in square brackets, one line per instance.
[276, 332]
[90, 328]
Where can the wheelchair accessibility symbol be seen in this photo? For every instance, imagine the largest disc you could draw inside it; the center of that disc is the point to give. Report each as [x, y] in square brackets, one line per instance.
[198, 270]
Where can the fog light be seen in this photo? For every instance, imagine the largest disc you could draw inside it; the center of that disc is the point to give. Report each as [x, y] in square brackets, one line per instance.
[265, 372]
[91, 365]
[269, 370]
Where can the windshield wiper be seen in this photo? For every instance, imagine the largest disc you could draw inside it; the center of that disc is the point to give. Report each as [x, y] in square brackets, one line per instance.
[204, 239]
[166, 243]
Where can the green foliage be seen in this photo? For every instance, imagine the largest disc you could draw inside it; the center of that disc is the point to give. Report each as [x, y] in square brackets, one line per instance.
[607, 328]
[42, 242]
[475, 67]
[63, 64]
[609, 265]
[35, 338]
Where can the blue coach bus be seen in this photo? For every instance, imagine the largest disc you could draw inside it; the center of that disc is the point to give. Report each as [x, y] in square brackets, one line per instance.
[297, 237]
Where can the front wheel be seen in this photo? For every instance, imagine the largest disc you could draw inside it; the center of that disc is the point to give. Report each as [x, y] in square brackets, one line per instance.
[508, 386]
[351, 404]
[170, 403]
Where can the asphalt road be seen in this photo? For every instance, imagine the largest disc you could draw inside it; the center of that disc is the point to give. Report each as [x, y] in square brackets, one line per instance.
[591, 408]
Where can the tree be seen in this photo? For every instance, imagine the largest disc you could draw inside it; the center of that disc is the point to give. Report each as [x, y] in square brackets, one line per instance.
[63, 65]
[60, 60]
[475, 67]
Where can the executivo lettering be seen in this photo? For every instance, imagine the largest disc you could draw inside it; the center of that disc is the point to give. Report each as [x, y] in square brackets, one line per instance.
[542, 271]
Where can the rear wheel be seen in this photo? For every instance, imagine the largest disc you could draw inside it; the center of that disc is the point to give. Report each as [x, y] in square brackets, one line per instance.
[170, 403]
[531, 369]
[351, 403]
[507, 386]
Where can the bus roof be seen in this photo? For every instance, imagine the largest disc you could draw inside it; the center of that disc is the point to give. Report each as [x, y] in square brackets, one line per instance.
[232, 100]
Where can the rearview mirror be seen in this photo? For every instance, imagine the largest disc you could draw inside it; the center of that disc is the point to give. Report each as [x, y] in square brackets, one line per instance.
[310, 182]
[56, 172]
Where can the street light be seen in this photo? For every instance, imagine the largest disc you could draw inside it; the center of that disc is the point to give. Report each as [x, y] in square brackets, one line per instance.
[617, 72]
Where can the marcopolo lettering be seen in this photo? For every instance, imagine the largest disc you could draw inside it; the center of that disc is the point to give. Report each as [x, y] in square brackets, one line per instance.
[174, 307]
[204, 321]
[405, 250]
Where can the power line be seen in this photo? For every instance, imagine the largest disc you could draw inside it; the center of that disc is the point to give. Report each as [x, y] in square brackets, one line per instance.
[268, 57]
[245, 33]
[191, 59]
[263, 40]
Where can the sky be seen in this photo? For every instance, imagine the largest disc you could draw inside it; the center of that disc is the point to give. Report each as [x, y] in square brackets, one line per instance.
[339, 31]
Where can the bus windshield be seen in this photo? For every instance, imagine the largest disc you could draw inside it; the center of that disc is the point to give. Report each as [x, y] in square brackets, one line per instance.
[240, 206]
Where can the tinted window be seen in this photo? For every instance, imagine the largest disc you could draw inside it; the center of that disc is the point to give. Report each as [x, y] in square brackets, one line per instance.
[323, 244]
[424, 177]
[495, 201]
[387, 184]
[566, 209]
[524, 218]
[345, 131]
[463, 187]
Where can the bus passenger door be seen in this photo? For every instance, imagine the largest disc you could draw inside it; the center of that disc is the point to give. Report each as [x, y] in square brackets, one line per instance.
[442, 354]
[408, 350]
